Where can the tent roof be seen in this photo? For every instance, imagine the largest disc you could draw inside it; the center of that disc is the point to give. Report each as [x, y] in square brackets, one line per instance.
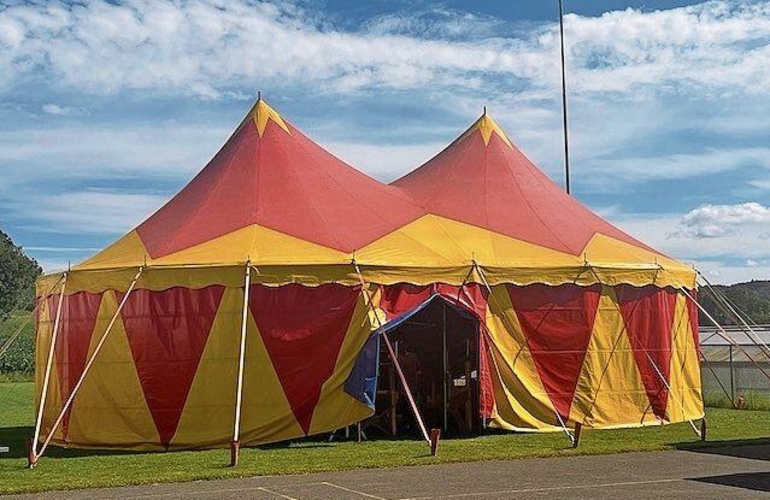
[271, 182]
[273, 197]
[511, 196]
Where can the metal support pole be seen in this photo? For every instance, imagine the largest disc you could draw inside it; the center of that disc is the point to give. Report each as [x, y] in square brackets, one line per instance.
[728, 309]
[722, 333]
[235, 443]
[36, 455]
[394, 358]
[564, 97]
[48, 365]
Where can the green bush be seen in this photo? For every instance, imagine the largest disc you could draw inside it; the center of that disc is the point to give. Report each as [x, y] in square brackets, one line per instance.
[18, 362]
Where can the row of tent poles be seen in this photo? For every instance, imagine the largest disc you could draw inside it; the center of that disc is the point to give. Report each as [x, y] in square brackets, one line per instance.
[744, 323]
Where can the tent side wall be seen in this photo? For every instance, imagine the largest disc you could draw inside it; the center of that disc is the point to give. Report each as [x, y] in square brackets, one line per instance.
[166, 375]
[605, 356]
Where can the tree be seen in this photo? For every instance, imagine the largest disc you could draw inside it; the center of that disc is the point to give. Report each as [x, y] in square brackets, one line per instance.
[18, 273]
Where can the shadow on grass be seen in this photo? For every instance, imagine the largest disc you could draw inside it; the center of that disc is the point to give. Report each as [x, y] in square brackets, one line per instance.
[755, 481]
[754, 449]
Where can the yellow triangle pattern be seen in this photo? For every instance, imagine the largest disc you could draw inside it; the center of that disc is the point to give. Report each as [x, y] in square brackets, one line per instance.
[610, 391]
[685, 400]
[106, 413]
[521, 400]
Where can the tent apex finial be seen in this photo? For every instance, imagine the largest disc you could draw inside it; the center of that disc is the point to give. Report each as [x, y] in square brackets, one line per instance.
[485, 111]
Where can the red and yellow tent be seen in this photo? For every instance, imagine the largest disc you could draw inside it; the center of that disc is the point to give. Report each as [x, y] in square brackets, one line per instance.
[247, 308]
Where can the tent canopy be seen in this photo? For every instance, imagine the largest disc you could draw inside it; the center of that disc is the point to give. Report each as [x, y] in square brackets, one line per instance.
[273, 197]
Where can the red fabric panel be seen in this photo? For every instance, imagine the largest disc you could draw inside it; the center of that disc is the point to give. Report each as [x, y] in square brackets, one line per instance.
[303, 329]
[76, 326]
[285, 182]
[167, 332]
[399, 299]
[486, 390]
[558, 322]
[648, 313]
[510, 196]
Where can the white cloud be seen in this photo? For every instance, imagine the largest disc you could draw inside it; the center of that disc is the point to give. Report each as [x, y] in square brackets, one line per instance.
[205, 47]
[56, 110]
[93, 211]
[606, 172]
[137, 151]
[713, 221]
[729, 242]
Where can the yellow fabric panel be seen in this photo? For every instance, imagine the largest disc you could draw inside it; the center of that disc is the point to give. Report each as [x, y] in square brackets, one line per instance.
[610, 391]
[110, 410]
[267, 416]
[259, 244]
[606, 254]
[127, 251]
[209, 413]
[521, 400]
[437, 241]
[685, 400]
[336, 408]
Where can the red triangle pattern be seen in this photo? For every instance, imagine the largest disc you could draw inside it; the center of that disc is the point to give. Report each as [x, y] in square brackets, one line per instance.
[648, 313]
[167, 332]
[78, 319]
[303, 329]
[557, 322]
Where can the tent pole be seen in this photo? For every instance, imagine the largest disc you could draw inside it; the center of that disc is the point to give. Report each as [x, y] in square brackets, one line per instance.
[558, 417]
[36, 455]
[445, 362]
[393, 356]
[235, 444]
[48, 365]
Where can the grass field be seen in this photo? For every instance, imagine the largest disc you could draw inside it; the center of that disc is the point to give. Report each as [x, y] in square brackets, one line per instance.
[69, 469]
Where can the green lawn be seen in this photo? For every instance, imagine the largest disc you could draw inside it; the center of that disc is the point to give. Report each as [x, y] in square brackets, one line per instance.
[69, 469]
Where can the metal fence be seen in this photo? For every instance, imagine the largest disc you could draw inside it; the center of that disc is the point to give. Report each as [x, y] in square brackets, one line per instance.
[734, 365]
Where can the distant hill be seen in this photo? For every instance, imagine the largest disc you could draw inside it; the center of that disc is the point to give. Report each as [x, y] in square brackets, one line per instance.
[752, 298]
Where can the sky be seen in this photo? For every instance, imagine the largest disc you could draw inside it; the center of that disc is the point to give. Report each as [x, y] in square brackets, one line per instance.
[108, 108]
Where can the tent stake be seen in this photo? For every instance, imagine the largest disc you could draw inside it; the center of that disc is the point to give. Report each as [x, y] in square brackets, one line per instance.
[394, 358]
[235, 445]
[36, 455]
[47, 376]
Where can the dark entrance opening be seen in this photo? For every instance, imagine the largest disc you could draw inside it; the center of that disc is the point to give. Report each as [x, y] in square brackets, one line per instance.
[437, 347]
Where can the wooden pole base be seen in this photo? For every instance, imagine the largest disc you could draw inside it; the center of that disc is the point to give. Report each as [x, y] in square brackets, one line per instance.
[576, 436]
[31, 456]
[703, 429]
[435, 437]
[235, 452]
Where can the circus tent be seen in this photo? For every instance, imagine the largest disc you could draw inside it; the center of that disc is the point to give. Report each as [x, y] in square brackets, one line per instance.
[251, 307]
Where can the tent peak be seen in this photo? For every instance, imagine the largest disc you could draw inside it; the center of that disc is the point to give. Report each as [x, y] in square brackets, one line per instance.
[260, 113]
[487, 126]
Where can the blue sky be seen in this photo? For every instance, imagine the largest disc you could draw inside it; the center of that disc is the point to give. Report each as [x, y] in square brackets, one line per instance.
[108, 108]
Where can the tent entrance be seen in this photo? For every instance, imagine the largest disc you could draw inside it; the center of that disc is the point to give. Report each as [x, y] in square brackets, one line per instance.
[437, 347]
